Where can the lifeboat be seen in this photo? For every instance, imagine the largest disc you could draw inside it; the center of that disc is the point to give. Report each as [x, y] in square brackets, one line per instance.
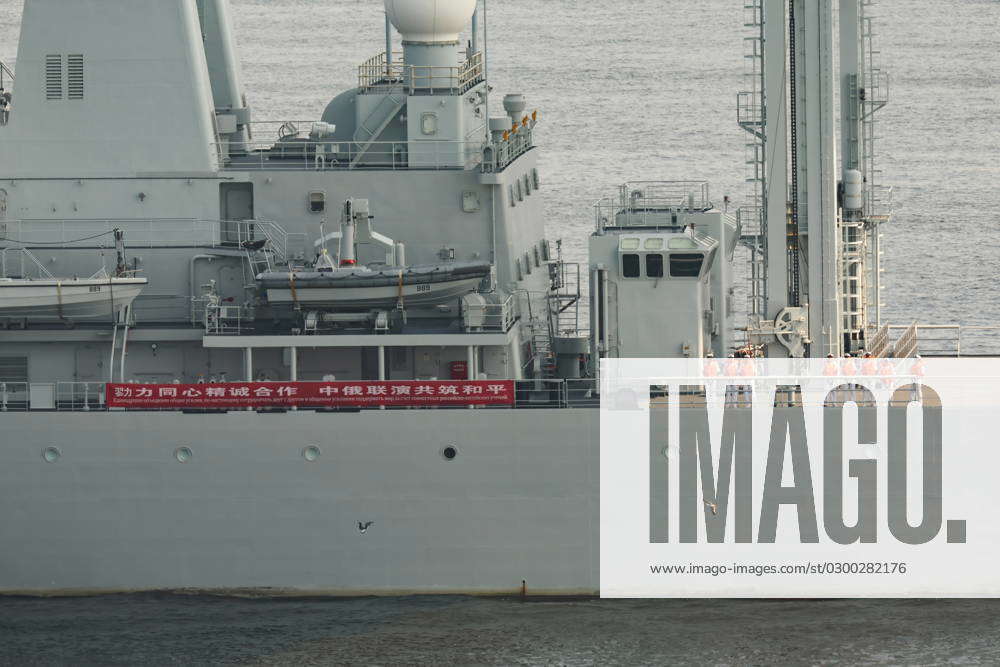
[374, 288]
[66, 300]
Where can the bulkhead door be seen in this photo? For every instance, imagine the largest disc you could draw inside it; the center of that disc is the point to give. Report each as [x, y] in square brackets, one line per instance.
[236, 204]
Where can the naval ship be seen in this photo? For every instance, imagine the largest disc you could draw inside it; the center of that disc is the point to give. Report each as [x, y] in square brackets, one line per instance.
[342, 356]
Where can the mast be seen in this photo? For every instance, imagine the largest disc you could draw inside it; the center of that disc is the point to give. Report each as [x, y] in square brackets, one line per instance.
[814, 288]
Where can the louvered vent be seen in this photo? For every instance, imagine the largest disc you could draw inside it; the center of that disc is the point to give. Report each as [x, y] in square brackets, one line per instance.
[13, 369]
[74, 71]
[53, 78]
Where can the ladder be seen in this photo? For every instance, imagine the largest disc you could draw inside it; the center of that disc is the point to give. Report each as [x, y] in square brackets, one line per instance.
[373, 126]
[750, 117]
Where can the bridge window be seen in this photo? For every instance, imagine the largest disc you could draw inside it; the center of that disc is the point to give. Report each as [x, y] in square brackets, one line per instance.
[686, 265]
[630, 266]
[654, 265]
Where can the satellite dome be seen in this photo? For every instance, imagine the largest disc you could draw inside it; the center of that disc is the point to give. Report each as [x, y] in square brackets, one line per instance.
[430, 20]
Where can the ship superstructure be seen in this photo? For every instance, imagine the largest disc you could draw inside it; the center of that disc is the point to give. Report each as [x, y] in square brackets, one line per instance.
[398, 239]
[150, 134]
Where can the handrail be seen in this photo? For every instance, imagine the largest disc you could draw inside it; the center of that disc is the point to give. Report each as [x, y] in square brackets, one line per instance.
[149, 232]
[331, 155]
[376, 74]
[644, 203]
[950, 340]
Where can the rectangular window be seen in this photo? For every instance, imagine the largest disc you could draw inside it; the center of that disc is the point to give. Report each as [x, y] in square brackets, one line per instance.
[53, 77]
[654, 266]
[630, 266]
[686, 265]
[74, 75]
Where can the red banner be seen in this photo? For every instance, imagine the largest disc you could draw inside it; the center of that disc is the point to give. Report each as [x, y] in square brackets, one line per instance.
[310, 394]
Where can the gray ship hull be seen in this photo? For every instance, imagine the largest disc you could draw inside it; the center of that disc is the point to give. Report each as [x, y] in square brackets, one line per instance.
[118, 512]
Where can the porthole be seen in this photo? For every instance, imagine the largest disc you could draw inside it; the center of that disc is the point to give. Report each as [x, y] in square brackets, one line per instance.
[449, 453]
[520, 192]
[311, 453]
[51, 454]
[513, 199]
[183, 454]
[534, 178]
[527, 185]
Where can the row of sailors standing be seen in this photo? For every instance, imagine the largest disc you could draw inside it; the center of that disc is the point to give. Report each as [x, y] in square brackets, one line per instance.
[879, 373]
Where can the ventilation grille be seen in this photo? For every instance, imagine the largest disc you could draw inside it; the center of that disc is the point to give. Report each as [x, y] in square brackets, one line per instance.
[13, 369]
[74, 70]
[53, 78]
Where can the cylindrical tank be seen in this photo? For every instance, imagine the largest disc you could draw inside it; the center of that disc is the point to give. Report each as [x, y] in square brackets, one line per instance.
[347, 256]
[854, 190]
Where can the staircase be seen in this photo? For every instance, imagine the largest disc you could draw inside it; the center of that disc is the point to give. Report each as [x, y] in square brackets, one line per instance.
[541, 339]
[373, 126]
[274, 251]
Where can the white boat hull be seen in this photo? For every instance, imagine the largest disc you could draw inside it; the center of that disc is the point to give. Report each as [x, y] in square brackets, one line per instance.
[374, 297]
[58, 300]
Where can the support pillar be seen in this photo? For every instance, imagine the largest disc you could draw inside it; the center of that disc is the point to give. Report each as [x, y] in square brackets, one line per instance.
[248, 363]
[776, 161]
[470, 372]
[818, 172]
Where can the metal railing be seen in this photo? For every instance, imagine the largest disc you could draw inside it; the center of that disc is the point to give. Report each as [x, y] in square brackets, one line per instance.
[295, 154]
[14, 396]
[651, 203]
[80, 396]
[946, 340]
[498, 155]
[150, 233]
[491, 316]
[377, 75]
[879, 204]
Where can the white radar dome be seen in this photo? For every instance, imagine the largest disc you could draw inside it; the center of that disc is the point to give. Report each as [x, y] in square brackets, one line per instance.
[430, 20]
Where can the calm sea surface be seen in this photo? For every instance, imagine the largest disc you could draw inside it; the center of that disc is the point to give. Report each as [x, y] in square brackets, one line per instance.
[643, 90]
